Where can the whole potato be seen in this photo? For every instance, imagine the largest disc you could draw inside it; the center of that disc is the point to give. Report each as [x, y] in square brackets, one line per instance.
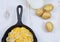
[48, 7]
[49, 26]
[46, 15]
[39, 12]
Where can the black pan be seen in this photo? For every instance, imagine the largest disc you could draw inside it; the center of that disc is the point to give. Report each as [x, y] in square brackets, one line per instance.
[18, 24]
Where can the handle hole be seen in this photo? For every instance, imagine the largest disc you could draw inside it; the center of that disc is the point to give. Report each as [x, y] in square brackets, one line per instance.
[19, 10]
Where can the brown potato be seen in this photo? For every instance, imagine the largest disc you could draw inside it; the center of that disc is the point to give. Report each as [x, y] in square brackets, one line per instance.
[39, 12]
[46, 15]
[48, 7]
[49, 26]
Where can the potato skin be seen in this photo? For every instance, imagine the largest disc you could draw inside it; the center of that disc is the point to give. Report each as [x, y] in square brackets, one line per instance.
[39, 12]
[49, 26]
[48, 7]
[45, 11]
[46, 15]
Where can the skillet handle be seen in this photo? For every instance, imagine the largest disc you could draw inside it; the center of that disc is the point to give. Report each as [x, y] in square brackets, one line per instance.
[19, 14]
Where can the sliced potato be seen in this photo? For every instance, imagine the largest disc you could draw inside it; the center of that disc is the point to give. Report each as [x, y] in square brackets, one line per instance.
[49, 26]
[46, 15]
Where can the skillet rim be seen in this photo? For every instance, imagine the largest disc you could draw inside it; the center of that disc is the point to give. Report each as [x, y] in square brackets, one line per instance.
[12, 27]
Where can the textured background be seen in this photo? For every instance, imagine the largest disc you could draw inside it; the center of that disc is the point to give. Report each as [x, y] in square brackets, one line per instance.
[30, 19]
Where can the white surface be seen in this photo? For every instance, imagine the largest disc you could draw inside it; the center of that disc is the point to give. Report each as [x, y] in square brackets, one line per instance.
[35, 3]
[29, 18]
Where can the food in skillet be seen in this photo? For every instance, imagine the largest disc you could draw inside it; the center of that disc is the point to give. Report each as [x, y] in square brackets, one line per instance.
[44, 12]
[20, 34]
[49, 26]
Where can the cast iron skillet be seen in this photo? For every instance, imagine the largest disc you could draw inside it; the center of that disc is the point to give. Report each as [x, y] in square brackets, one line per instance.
[18, 24]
